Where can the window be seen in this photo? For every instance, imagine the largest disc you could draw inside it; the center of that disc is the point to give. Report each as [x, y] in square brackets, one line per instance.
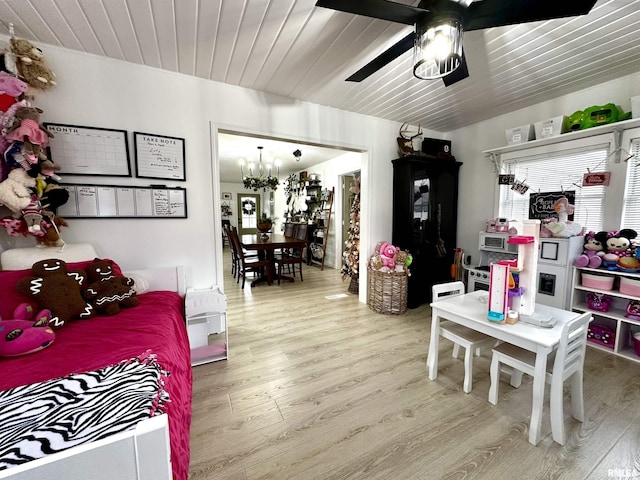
[631, 206]
[555, 172]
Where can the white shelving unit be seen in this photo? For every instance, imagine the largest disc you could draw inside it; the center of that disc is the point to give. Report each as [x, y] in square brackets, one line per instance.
[624, 327]
[206, 316]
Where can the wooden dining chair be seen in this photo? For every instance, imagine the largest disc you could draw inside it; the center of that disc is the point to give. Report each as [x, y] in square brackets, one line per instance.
[461, 336]
[232, 247]
[566, 362]
[246, 263]
[290, 258]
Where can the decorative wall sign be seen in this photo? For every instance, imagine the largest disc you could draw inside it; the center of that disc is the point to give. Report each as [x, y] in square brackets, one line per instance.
[596, 179]
[506, 179]
[520, 187]
[89, 150]
[158, 156]
[113, 201]
[226, 196]
[541, 204]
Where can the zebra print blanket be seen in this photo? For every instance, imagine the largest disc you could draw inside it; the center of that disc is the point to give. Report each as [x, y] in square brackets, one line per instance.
[44, 418]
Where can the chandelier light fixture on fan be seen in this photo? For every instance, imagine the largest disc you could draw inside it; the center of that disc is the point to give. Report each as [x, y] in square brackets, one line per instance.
[260, 177]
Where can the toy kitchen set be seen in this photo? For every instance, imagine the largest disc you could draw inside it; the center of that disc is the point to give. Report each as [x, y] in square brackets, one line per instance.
[555, 262]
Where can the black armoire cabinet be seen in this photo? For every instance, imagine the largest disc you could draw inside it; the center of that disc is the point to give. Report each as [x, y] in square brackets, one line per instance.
[425, 206]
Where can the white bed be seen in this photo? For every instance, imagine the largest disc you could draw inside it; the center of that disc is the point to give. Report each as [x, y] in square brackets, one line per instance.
[142, 453]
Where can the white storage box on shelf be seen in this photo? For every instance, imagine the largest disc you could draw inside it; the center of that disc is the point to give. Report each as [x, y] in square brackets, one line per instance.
[206, 316]
[521, 134]
[551, 127]
[635, 107]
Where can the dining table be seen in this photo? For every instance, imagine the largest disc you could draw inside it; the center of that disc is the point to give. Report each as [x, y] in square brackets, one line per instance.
[471, 310]
[266, 248]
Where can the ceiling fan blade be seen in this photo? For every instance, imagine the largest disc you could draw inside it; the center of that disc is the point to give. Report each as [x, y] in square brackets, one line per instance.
[384, 58]
[382, 9]
[496, 13]
[458, 74]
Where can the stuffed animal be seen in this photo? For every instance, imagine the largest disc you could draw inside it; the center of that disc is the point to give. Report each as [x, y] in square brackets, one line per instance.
[11, 88]
[31, 65]
[14, 191]
[388, 255]
[26, 332]
[563, 228]
[52, 237]
[32, 215]
[108, 291]
[58, 289]
[27, 128]
[617, 245]
[594, 245]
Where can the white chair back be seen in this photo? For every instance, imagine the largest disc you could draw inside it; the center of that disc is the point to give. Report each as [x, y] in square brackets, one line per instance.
[441, 290]
[572, 347]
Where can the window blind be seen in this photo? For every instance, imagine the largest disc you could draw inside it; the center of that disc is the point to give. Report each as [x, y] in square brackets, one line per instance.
[555, 172]
[631, 205]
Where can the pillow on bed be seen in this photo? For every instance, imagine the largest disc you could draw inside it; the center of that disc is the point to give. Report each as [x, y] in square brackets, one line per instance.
[10, 298]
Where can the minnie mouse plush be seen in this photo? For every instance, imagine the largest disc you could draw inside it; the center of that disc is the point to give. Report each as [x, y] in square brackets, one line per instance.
[618, 245]
[594, 245]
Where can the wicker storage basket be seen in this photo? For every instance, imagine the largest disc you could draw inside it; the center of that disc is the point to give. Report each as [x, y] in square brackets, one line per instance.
[387, 292]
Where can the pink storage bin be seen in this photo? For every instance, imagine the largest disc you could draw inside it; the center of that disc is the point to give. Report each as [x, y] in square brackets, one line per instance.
[599, 282]
[636, 343]
[629, 286]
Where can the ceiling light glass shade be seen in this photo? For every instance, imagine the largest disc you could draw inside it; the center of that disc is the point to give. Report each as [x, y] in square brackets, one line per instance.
[437, 49]
[260, 177]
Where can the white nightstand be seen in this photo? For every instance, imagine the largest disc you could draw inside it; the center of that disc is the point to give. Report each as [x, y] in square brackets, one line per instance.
[206, 316]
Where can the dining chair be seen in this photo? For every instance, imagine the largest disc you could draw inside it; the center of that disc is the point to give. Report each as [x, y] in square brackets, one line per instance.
[232, 247]
[461, 336]
[566, 362]
[246, 264]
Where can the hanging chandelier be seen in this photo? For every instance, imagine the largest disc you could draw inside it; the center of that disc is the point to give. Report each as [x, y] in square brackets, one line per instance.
[260, 177]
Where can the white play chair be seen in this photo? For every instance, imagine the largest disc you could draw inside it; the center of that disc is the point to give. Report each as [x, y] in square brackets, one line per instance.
[568, 363]
[460, 335]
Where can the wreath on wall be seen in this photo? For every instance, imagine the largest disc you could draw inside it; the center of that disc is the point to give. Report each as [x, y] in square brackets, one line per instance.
[248, 207]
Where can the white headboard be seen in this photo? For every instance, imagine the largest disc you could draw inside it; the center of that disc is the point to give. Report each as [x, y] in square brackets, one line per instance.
[159, 278]
[24, 258]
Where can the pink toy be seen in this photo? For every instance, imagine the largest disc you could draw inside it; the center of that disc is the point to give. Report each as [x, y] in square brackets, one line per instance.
[26, 333]
[11, 85]
[388, 255]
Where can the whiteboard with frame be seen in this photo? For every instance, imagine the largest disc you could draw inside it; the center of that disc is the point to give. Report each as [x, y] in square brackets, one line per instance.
[159, 156]
[89, 150]
[119, 201]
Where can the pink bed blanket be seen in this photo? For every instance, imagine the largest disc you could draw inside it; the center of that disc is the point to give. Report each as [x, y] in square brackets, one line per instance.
[156, 325]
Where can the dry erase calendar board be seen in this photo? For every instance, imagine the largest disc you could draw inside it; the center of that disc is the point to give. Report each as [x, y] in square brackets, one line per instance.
[89, 150]
[113, 201]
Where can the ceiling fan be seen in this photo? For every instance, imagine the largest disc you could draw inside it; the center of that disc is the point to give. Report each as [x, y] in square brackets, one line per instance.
[439, 25]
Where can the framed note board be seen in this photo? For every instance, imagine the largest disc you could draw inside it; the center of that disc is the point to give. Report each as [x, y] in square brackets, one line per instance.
[89, 150]
[114, 201]
[158, 156]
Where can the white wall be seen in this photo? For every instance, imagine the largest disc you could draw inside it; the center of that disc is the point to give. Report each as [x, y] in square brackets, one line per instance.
[478, 182]
[100, 92]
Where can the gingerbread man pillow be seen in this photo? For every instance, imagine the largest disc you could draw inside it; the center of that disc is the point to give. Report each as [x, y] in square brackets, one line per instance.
[58, 289]
[108, 291]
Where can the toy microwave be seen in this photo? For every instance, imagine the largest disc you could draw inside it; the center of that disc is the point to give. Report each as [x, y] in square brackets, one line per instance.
[497, 225]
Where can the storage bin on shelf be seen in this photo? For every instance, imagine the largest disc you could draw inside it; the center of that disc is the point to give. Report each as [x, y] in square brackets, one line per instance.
[599, 282]
[630, 286]
[636, 343]
[602, 335]
[387, 292]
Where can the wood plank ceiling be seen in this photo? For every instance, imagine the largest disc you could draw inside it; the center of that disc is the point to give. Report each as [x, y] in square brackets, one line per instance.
[291, 48]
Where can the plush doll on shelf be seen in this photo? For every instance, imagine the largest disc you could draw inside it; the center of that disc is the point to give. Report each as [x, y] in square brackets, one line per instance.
[30, 64]
[11, 88]
[25, 332]
[618, 250]
[55, 287]
[107, 291]
[564, 228]
[594, 246]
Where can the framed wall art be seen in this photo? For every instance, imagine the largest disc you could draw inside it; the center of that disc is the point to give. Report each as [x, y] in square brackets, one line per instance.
[82, 150]
[159, 156]
[226, 196]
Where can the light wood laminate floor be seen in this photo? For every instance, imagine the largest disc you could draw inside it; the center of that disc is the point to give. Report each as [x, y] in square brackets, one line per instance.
[324, 388]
